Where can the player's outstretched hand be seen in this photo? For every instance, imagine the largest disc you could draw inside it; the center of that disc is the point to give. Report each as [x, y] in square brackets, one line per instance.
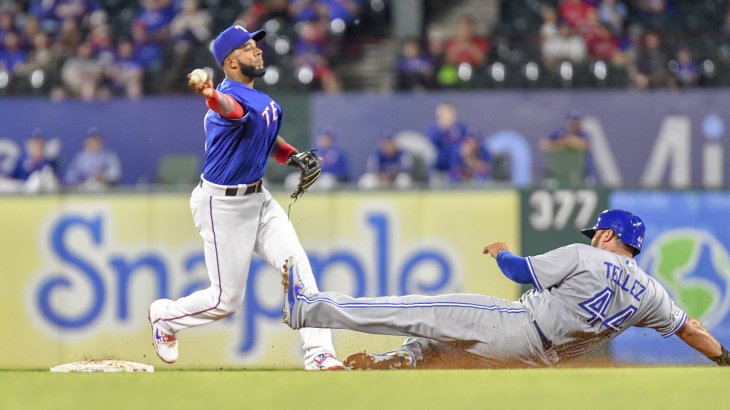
[201, 83]
[495, 248]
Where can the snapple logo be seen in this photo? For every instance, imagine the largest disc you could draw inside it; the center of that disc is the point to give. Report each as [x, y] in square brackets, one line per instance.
[98, 279]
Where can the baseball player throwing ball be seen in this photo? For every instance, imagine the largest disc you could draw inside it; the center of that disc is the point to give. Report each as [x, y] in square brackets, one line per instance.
[235, 215]
[583, 296]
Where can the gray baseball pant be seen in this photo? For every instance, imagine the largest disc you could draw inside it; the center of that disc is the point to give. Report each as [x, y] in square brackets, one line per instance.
[500, 332]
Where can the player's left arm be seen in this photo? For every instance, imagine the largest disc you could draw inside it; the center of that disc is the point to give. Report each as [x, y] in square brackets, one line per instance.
[514, 267]
[283, 150]
[697, 336]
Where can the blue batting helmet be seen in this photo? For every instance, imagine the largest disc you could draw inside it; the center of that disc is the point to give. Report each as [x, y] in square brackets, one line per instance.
[629, 227]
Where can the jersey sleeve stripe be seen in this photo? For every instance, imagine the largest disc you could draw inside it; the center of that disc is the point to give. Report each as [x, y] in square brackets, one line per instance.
[532, 273]
[677, 327]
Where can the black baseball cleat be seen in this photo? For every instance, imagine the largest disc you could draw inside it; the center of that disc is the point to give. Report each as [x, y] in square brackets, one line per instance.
[394, 360]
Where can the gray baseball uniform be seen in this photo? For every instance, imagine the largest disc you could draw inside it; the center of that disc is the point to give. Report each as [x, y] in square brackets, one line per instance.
[583, 297]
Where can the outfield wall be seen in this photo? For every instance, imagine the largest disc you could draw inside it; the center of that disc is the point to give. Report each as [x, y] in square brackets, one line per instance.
[78, 272]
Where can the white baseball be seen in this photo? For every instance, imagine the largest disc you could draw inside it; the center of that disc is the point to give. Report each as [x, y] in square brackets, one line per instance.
[199, 76]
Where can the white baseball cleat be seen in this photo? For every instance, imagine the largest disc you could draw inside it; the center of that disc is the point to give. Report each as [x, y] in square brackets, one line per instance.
[394, 360]
[323, 361]
[165, 344]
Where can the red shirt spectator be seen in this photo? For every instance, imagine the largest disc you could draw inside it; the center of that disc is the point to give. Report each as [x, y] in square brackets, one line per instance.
[466, 46]
[603, 46]
[574, 12]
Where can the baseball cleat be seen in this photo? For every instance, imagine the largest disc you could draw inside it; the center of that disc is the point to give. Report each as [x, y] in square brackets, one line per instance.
[384, 361]
[165, 344]
[293, 288]
[324, 361]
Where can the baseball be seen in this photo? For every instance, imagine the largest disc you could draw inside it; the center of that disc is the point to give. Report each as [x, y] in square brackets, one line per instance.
[199, 75]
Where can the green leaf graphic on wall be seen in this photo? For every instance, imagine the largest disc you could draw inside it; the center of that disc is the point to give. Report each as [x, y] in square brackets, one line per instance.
[695, 268]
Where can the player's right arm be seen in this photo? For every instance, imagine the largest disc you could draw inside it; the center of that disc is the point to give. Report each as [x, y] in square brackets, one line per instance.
[225, 105]
[512, 266]
[697, 336]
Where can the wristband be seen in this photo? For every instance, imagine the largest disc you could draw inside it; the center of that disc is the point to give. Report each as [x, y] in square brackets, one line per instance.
[283, 152]
[723, 359]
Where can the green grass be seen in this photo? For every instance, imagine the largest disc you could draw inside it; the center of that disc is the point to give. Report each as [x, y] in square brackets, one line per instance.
[695, 388]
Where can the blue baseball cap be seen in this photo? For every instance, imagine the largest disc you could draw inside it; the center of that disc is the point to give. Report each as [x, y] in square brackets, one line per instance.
[232, 38]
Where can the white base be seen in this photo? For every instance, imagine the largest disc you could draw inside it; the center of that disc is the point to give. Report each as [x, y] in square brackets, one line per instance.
[103, 366]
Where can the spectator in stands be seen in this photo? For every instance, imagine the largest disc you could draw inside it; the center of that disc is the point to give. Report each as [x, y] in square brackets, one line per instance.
[124, 73]
[685, 71]
[571, 136]
[31, 27]
[148, 53]
[650, 65]
[95, 167]
[436, 48]
[651, 13]
[574, 12]
[568, 146]
[415, 68]
[445, 134]
[155, 17]
[11, 55]
[470, 161]
[388, 167]
[33, 171]
[191, 25]
[566, 45]
[345, 10]
[77, 10]
[549, 27]
[68, 39]
[7, 22]
[467, 47]
[600, 41]
[612, 14]
[82, 73]
[189, 32]
[308, 10]
[311, 53]
[42, 58]
[253, 17]
[100, 40]
[335, 164]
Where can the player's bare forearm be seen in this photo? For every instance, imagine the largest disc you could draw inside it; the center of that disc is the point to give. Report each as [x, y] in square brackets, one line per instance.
[495, 248]
[695, 335]
[280, 140]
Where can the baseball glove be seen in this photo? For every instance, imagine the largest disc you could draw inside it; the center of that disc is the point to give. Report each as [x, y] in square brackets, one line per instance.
[310, 166]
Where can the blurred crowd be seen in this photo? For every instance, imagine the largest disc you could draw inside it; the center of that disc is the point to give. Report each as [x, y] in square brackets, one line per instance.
[95, 49]
[36, 169]
[451, 153]
[557, 43]
[446, 153]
